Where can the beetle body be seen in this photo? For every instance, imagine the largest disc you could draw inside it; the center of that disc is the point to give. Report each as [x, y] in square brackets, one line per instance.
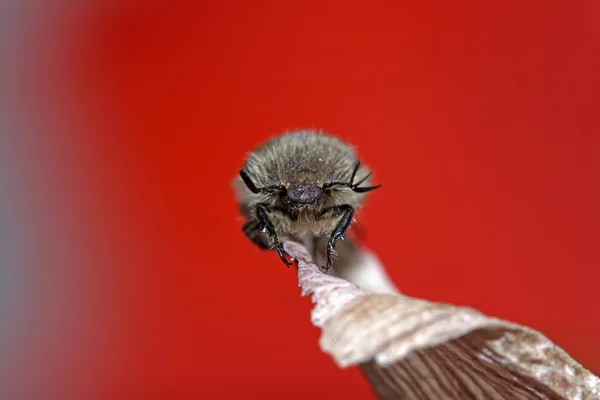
[301, 185]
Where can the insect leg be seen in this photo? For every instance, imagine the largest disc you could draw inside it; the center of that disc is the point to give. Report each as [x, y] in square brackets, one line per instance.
[252, 231]
[265, 225]
[340, 230]
[252, 228]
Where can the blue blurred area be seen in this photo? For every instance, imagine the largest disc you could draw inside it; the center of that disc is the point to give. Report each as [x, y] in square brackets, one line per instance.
[13, 216]
[47, 322]
[30, 288]
[13, 259]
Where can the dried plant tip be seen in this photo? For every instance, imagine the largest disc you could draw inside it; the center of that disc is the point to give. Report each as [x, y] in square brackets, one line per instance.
[414, 349]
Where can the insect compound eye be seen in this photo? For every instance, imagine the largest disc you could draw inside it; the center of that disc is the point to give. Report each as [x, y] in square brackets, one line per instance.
[304, 194]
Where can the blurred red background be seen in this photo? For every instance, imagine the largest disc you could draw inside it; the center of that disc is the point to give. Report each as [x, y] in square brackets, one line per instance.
[479, 119]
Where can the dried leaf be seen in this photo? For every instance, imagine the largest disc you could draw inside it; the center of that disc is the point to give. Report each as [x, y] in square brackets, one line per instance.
[415, 349]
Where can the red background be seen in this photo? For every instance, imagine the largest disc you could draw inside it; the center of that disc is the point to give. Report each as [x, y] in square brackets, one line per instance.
[480, 120]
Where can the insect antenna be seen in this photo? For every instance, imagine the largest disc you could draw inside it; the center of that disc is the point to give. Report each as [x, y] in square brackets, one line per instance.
[351, 184]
